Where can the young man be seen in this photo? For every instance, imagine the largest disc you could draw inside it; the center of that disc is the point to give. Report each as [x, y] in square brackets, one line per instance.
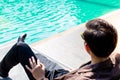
[100, 41]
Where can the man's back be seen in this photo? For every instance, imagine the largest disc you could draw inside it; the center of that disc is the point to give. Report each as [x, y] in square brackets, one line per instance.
[107, 70]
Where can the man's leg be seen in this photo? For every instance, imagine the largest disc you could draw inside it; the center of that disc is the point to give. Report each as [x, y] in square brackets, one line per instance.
[8, 62]
[17, 54]
[24, 53]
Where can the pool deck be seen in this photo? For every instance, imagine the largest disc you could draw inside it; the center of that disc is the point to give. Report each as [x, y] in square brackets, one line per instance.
[66, 48]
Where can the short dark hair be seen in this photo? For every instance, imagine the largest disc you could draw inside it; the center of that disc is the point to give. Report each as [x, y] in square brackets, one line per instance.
[101, 37]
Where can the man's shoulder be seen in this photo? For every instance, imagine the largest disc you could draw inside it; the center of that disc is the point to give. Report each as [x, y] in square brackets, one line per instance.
[115, 57]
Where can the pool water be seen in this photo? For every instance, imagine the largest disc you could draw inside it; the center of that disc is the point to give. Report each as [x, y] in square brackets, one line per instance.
[41, 19]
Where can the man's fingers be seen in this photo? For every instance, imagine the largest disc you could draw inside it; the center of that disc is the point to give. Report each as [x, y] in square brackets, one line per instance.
[38, 62]
[41, 65]
[28, 68]
[32, 62]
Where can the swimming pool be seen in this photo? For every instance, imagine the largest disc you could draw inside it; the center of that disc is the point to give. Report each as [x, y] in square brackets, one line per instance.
[43, 18]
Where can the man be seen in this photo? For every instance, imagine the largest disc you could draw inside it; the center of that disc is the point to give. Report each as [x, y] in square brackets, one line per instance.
[100, 41]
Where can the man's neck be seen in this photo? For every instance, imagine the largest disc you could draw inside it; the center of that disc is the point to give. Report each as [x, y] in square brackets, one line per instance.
[95, 59]
[98, 60]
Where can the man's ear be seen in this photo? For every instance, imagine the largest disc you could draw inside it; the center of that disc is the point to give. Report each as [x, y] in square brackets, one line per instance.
[87, 47]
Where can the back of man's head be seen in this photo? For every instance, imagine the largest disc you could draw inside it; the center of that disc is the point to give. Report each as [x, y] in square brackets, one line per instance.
[101, 37]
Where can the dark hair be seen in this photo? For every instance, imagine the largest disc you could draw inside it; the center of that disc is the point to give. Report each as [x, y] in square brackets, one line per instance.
[101, 37]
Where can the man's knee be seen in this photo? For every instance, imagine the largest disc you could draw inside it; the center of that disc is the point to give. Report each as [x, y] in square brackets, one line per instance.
[23, 45]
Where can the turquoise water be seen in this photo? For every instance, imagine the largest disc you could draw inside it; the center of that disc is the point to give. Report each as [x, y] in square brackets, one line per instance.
[41, 19]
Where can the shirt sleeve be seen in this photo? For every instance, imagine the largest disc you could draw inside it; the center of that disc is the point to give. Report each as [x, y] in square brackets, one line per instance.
[55, 73]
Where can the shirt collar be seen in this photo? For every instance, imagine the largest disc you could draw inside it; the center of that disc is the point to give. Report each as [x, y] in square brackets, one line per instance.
[91, 67]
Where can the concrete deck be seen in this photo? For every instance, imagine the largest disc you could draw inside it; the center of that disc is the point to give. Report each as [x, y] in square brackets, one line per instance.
[67, 48]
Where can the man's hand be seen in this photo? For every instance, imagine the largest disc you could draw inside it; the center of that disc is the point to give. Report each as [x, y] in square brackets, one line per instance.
[37, 69]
